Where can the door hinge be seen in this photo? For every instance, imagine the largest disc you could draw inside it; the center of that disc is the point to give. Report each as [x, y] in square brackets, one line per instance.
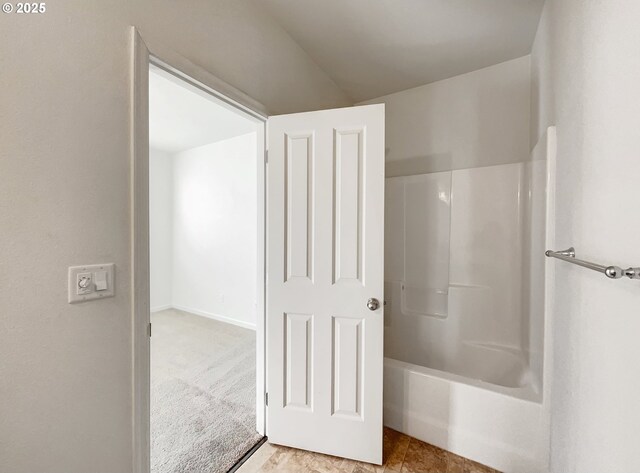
[266, 399]
[266, 156]
[149, 329]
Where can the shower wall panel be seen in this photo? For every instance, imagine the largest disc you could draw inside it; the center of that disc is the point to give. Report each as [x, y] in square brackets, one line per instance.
[457, 267]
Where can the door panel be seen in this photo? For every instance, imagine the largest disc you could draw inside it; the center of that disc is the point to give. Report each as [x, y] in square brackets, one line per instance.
[325, 227]
[348, 201]
[299, 207]
[346, 379]
[298, 336]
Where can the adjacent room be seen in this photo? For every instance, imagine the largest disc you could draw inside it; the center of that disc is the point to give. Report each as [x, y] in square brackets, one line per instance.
[203, 244]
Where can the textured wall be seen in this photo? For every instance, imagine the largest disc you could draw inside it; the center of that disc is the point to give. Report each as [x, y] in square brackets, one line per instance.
[586, 71]
[214, 231]
[475, 119]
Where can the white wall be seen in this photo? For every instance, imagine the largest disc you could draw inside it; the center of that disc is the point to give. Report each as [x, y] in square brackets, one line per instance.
[215, 229]
[586, 72]
[66, 370]
[475, 119]
[161, 228]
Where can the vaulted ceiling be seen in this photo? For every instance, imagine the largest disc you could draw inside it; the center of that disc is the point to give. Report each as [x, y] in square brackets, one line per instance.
[371, 48]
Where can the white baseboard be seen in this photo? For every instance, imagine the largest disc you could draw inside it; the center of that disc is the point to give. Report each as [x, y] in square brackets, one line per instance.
[160, 308]
[220, 318]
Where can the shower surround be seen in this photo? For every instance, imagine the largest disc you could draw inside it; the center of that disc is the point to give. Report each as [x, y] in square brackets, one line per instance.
[465, 320]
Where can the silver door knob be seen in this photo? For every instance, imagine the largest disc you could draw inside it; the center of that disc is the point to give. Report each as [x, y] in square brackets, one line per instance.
[373, 304]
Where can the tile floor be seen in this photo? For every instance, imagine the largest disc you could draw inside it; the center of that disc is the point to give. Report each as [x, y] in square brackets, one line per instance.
[402, 454]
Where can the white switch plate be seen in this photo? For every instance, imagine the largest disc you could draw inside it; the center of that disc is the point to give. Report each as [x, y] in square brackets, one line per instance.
[78, 294]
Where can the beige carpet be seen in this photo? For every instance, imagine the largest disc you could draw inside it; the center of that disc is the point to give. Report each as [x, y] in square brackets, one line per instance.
[202, 393]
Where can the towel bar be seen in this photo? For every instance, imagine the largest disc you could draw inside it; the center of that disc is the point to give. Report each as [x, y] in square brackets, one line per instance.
[613, 272]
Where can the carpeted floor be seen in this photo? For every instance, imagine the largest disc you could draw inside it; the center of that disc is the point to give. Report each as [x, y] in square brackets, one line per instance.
[202, 393]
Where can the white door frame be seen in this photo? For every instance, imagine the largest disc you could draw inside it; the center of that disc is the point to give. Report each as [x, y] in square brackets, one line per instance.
[142, 57]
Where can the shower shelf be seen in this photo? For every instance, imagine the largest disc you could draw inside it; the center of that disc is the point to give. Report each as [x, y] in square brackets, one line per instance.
[612, 272]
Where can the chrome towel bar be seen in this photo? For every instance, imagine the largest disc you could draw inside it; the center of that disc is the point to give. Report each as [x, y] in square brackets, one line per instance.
[613, 272]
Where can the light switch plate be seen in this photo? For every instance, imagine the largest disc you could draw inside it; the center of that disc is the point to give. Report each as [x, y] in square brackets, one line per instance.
[77, 293]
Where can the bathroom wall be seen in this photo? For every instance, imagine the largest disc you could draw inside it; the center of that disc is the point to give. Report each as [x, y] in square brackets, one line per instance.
[475, 119]
[214, 230]
[161, 228]
[586, 71]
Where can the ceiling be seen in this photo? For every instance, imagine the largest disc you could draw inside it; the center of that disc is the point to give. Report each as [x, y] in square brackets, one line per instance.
[372, 48]
[182, 117]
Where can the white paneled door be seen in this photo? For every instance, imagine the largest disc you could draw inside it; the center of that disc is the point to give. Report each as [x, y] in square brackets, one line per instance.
[325, 228]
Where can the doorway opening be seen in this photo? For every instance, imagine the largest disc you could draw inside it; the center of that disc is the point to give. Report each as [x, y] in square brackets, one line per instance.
[205, 277]
[324, 190]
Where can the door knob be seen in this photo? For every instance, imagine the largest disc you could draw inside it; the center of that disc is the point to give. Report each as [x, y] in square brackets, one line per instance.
[373, 304]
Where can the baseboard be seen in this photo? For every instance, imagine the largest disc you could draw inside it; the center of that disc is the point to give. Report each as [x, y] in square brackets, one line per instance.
[219, 318]
[160, 308]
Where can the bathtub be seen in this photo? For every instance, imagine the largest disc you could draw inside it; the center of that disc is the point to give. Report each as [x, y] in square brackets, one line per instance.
[467, 326]
[499, 426]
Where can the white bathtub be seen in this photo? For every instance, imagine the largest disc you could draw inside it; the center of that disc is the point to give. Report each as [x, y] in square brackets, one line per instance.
[495, 425]
[468, 331]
